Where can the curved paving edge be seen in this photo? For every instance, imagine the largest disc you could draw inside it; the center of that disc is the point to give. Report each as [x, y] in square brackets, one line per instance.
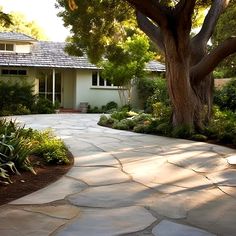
[124, 183]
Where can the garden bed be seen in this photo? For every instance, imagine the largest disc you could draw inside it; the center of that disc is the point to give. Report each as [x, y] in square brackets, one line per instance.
[27, 182]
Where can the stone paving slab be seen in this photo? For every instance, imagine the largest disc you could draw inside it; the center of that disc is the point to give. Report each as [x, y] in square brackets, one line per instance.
[56, 191]
[113, 196]
[98, 175]
[168, 228]
[179, 180]
[173, 175]
[15, 222]
[58, 211]
[95, 158]
[224, 178]
[101, 222]
[199, 161]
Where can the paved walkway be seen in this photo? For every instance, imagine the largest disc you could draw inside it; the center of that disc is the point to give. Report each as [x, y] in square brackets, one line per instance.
[125, 183]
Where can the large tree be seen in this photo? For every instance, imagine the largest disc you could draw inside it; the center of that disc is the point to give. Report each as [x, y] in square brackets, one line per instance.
[168, 24]
[19, 23]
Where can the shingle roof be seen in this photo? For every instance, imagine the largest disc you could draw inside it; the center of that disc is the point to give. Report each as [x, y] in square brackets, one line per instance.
[52, 55]
[155, 66]
[13, 36]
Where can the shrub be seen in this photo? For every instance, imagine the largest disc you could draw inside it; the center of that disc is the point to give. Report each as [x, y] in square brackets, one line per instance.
[125, 124]
[103, 120]
[111, 105]
[119, 115]
[199, 137]
[183, 131]
[164, 129]
[14, 150]
[225, 98]
[161, 111]
[43, 106]
[141, 128]
[49, 147]
[16, 98]
[222, 126]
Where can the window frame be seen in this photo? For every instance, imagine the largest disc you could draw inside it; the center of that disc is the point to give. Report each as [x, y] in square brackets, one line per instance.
[101, 83]
[5, 45]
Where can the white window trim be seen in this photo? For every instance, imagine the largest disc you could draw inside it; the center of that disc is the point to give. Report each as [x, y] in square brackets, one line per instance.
[14, 48]
[105, 86]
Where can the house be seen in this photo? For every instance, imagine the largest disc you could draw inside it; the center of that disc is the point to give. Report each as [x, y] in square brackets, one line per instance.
[56, 75]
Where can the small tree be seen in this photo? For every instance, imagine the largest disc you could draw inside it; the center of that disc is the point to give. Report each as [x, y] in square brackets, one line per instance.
[125, 64]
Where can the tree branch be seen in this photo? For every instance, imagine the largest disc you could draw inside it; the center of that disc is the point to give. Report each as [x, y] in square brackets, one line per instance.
[210, 22]
[150, 29]
[209, 62]
[152, 9]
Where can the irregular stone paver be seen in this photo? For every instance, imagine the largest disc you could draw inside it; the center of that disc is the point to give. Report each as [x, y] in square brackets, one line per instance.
[226, 177]
[14, 222]
[168, 228]
[59, 211]
[199, 161]
[98, 175]
[173, 175]
[217, 214]
[177, 206]
[229, 190]
[117, 195]
[100, 222]
[173, 178]
[56, 191]
[89, 158]
[139, 169]
[231, 160]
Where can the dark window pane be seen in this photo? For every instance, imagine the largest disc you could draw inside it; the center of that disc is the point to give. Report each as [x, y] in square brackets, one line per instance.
[22, 72]
[5, 72]
[108, 83]
[94, 79]
[2, 46]
[101, 81]
[13, 72]
[9, 47]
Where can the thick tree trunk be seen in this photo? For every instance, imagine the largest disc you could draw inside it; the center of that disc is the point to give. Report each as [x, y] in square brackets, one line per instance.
[183, 99]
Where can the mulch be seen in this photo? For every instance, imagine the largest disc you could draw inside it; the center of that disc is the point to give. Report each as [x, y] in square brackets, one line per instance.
[27, 182]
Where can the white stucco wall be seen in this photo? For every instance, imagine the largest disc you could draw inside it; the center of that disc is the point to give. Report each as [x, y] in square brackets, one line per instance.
[22, 48]
[85, 92]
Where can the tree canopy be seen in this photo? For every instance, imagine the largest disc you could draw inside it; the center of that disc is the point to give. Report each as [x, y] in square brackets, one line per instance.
[98, 23]
[18, 23]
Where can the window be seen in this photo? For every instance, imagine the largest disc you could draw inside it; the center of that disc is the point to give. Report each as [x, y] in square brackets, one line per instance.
[7, 47]
[95, 79]
[46, 86]
[14, 72]
[98, 81]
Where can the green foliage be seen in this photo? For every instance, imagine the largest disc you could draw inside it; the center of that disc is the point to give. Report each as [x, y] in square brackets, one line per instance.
[16, 98]
[199, 137]
[95, 25]
[127, 61]
[225, 28]
[14, 150]
[125, 124]
[43, 106]
[119, 115]
[183, 131]
[103, 121]
[222, 126]
[18, 143]
[20, 24]
[161, 111]
[225, 97]
[49, 147]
